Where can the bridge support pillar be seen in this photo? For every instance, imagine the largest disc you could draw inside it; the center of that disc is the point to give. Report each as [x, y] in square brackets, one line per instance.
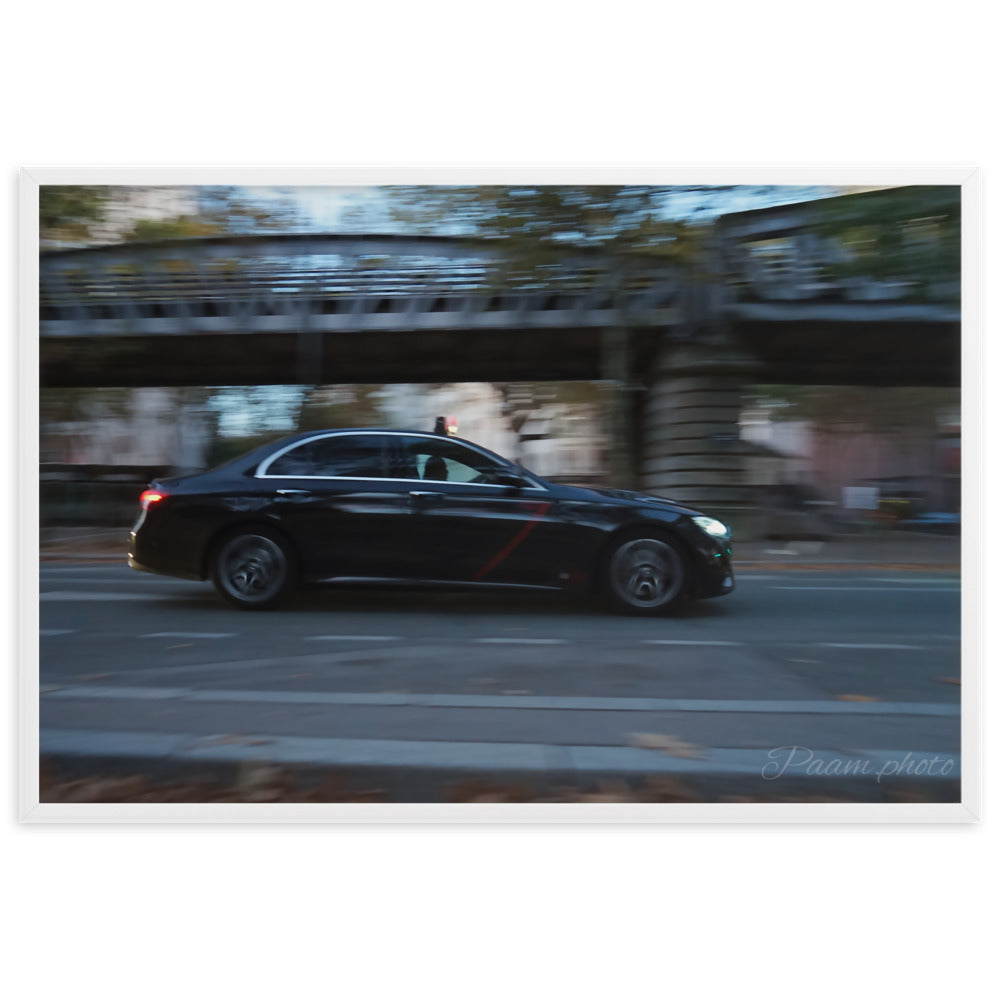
[691, 448]
[616, 369]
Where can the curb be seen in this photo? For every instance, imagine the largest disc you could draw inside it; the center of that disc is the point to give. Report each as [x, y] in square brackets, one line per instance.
[429, 771]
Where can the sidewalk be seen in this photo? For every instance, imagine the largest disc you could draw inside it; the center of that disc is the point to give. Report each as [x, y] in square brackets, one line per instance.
[879, 548]
[438, 771]
[429, 745]
[904, 550]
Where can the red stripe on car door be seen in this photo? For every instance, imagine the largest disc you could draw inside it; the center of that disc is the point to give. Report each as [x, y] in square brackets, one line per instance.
[540, 510]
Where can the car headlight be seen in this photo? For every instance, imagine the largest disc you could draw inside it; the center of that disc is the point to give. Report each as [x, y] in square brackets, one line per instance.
[711, 527]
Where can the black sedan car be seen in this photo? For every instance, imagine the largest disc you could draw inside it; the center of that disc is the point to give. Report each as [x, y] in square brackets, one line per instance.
[341, 505]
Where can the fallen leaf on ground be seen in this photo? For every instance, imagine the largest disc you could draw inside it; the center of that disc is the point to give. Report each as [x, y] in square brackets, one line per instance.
[663, 788]
[666, 744]
[950, 680]
[250, 741]
[266, 784]
[258, 781]
[478, 790]
[609, 791]
[856, 697]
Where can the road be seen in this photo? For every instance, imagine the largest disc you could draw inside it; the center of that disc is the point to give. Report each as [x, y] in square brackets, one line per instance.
[845, 659]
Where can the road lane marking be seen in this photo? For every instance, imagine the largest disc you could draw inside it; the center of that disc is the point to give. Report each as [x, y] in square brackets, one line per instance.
[690, 642]
[551, 702]
[113, 693]
[189, 635]
[356, 638]
[120, 570]
[895, 590]
[523, 642]
[53, 580]
[866, 645]
[757, 643]
[72, 595]
[45, 632]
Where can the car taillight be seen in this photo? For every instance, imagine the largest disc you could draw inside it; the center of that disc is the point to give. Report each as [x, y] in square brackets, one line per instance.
[148, 497]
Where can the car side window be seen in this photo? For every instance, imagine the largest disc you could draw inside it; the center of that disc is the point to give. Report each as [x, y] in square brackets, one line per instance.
[443, 460]
[358, 456]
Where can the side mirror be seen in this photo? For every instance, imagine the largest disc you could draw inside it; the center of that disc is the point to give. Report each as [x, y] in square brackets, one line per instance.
[510, 479]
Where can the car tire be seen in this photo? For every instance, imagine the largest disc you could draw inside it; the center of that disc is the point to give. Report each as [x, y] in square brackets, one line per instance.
[645, 574]
[252, 568]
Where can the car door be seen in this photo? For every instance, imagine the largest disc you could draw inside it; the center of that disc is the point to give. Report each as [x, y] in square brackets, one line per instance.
[334, 496]
[467, 525]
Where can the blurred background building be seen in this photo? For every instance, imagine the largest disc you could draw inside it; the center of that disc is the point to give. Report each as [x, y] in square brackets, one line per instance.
[786, 447]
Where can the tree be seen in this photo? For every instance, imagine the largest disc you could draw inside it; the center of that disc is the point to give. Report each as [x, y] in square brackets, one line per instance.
[221, 211]
[91, 214]
[340, 406]
[68, 213]
[909, 417]
[579, 213]
[851, 409]
[540, 225]
[910, 234]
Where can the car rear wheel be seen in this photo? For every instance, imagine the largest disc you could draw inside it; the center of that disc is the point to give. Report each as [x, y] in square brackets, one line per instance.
[645, 575]
[252, 569]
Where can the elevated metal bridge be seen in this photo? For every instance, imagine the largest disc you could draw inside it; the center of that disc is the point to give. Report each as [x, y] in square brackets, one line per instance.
[321, 309]
[327, 309]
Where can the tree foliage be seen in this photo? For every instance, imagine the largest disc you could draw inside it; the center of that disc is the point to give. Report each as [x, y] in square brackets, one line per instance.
[68, 213]
[340, 406]
[540, 223]
[220, 211]
[908, 234]
[858, 409]
[88, 214]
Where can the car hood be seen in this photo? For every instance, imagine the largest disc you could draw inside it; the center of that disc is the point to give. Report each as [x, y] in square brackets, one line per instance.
[593, 493]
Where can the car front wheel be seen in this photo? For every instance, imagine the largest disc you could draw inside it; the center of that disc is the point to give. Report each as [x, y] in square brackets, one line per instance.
[645, 575]
[252, 569]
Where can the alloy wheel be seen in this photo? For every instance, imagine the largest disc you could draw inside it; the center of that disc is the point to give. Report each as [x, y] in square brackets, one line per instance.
[251, 569]
[646, 574]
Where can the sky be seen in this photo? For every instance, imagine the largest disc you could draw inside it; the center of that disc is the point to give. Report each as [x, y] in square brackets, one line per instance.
[321, 208]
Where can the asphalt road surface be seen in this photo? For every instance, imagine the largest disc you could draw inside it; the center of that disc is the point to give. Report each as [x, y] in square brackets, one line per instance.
[835, 659]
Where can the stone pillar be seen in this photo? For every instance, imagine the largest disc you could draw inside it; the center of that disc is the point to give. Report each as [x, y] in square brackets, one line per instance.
[616, 365]
[691, 449]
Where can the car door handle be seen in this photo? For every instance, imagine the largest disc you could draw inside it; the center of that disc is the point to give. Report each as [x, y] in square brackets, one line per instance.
[426, 495]
[286, 493]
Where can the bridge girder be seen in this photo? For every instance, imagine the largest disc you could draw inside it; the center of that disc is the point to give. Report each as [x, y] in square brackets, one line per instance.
[321, 309]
